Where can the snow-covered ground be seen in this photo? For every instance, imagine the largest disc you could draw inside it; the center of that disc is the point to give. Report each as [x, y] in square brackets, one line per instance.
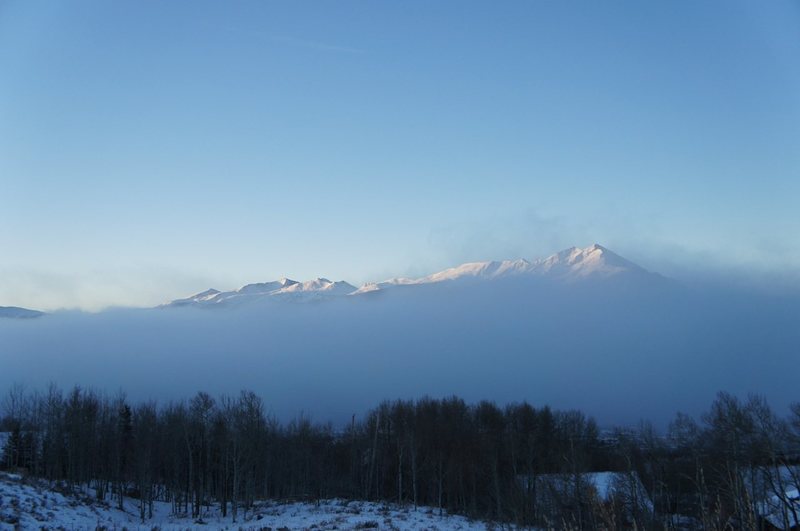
[33, 505]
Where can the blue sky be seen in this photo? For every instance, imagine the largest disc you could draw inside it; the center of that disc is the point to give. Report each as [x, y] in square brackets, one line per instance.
[153, 149]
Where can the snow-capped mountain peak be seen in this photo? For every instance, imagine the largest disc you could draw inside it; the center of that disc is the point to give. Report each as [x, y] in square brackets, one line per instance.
[575, 262]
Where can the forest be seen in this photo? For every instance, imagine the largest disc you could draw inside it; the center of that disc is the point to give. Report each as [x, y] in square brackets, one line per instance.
[736, 467]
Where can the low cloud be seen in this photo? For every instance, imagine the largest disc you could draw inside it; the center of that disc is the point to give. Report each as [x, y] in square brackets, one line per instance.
[621, 352]
[95, 290]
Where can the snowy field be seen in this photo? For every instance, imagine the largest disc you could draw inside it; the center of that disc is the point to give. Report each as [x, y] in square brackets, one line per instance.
[28, 505]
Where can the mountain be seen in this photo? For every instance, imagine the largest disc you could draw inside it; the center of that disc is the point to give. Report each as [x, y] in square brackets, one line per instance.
[570, 265]
[593, 261]
[13, 312]
[283, 289]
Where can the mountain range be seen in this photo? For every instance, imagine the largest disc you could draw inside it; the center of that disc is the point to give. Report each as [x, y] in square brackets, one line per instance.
[573, 265]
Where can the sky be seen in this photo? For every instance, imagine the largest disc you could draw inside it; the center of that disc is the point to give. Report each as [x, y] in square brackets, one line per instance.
[149, 150]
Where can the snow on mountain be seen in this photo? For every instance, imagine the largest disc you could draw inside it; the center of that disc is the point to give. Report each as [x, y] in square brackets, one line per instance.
[570, 265]
[486, 270]
[200, 298]
[474, 270]
[319, 285]
[13, 312]
[267, 287]
[594, 260]
[284, 288]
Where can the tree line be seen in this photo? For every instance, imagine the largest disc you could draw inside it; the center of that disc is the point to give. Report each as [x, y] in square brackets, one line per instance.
[517, 464]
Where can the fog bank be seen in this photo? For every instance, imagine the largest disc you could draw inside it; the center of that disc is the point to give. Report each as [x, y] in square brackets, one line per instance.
[618, 351]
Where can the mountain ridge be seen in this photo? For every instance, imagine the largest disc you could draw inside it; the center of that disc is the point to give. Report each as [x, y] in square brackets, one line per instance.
[567, 266]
